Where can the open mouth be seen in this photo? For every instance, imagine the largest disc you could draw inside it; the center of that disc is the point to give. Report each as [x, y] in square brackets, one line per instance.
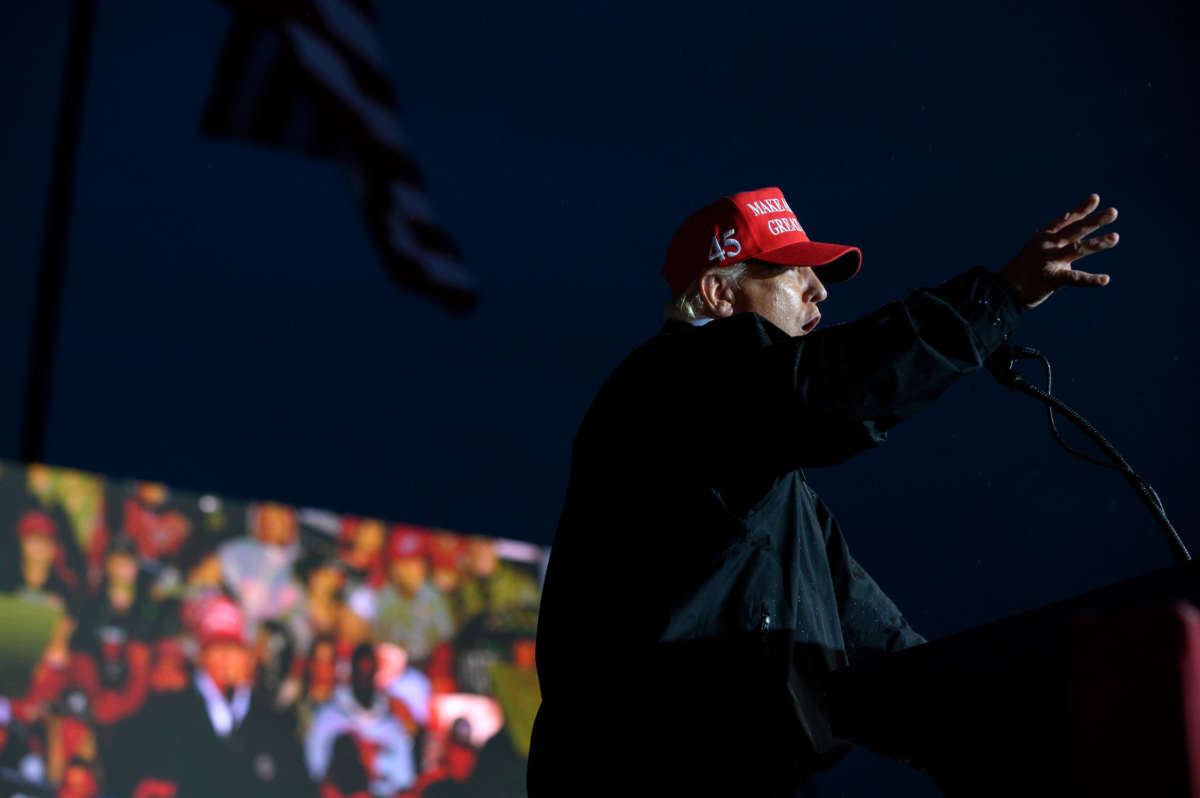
[811, 325]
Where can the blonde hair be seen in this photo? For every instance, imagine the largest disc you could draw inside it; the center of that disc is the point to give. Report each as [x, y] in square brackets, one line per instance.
[690, 306]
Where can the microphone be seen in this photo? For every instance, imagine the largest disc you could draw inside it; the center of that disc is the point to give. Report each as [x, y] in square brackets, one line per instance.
[1000, 363]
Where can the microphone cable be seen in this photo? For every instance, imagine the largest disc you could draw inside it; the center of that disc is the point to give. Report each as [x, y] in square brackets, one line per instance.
[1000, 364]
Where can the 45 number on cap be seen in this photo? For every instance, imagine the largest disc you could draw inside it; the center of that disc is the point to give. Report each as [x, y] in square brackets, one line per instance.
[720, 247]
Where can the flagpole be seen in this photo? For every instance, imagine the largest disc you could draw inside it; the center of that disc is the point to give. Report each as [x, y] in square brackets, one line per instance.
[57, 229]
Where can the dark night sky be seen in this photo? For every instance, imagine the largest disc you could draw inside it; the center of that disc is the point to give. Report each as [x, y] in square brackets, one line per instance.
[226, 326]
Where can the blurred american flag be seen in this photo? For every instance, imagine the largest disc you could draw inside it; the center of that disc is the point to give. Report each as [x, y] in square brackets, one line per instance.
[309, 75]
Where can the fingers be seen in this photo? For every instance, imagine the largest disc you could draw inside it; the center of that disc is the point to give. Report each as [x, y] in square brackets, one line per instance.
[1077, 230]
[1088, 246]
[1089, 204]
[1083, 279]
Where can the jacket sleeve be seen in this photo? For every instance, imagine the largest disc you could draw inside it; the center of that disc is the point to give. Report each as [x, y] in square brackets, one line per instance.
[837, 391]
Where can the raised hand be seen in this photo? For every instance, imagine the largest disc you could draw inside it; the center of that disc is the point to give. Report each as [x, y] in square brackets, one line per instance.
[1044, 265]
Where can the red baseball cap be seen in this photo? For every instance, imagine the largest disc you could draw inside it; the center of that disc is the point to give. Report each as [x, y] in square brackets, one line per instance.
[220, 619]
[407, 541]
[755, 225]
[36, 522]
[445, 550]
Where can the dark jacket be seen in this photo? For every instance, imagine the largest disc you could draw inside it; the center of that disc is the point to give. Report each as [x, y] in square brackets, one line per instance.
[698, 588]
[262, 756]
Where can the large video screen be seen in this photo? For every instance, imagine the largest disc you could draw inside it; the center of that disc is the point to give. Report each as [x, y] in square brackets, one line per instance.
[157, 643]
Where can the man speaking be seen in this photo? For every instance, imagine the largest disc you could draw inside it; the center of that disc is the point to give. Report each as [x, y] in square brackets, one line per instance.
[698, 589]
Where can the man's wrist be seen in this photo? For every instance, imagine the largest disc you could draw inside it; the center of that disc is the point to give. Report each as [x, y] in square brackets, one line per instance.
[1010, 286]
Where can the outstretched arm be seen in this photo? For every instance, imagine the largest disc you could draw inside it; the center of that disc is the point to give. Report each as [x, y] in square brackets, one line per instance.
[838, 390]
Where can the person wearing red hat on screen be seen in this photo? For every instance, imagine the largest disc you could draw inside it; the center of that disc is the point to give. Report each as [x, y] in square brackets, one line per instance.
[412, 612]
[737, 589]
[43, 575]
[222, 737]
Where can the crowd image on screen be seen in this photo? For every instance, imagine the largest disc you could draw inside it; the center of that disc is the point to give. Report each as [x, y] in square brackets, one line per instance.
[163, 644]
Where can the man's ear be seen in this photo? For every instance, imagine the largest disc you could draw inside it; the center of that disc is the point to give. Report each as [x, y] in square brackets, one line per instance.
[719, 295]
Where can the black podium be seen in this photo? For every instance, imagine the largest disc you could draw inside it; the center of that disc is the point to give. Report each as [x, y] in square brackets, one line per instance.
[1098, 695]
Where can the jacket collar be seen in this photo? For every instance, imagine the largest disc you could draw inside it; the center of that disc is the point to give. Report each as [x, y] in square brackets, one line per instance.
[224, 715]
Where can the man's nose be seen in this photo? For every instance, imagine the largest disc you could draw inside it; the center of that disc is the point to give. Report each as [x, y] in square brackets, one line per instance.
[816, 290]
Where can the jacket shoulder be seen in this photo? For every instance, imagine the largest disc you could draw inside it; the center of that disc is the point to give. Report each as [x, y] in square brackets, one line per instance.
[680, 345]
[741, 328]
